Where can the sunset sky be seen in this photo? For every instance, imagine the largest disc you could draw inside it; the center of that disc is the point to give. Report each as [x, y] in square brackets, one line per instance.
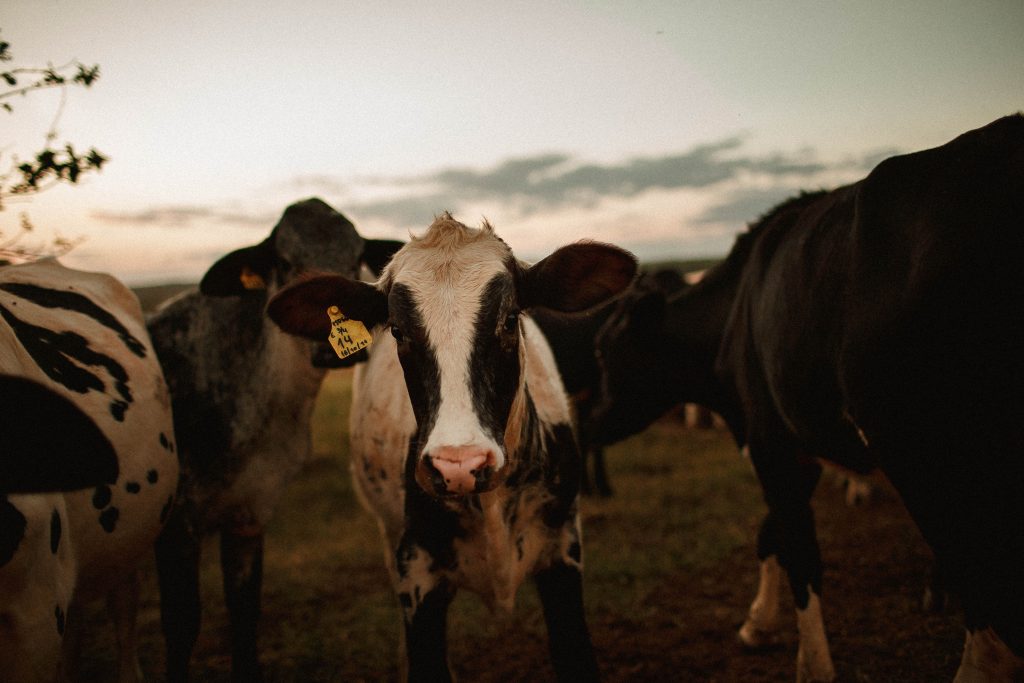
[661, 126]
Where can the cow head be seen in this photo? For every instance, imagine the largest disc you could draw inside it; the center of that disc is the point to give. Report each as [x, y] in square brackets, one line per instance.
[452, 299]
[311, 237]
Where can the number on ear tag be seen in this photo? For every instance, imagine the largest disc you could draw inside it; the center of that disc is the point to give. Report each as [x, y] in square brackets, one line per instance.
[347, 336]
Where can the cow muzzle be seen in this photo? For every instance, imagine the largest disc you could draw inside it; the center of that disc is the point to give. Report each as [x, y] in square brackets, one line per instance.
[457, 471]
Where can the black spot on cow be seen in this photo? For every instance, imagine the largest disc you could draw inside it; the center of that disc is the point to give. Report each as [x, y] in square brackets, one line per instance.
[101, 497]
[61, 618]
[108, 519]
[117, 410]
[54, 532]
[152, 476]
[132, 487]
[519, 547]
[64, 357]
[52, 298]
[406, 600]
[167, 444]
[166, 509]
[12, 530]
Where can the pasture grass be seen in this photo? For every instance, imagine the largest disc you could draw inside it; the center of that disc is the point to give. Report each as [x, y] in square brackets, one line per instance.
[669, 571]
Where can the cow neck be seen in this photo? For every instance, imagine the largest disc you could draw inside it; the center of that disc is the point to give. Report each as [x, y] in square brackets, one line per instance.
[696, 319]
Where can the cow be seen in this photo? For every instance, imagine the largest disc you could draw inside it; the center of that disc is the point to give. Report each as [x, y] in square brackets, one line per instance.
[462, 439]
[856, 325]
[243, 394]
[89, 467]
[571, 338]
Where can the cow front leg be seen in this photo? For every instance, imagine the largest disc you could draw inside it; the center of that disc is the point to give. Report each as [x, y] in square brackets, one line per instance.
[560, 587]
[241, 561]
[425, 619]
[123, 606]
[177, 563]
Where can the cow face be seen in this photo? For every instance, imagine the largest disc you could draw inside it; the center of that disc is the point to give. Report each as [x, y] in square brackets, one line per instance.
[452, 299]
[311, 237]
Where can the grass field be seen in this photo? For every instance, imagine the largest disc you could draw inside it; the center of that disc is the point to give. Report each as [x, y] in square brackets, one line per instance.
[670, 571]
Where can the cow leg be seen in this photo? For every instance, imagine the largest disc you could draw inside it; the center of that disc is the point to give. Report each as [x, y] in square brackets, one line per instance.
[560, 587]
[426, 634]
[762, 624]
[788, 534]
[241, 561]
[177, 563]
[987, 659]
[604, 488]
[123, 606]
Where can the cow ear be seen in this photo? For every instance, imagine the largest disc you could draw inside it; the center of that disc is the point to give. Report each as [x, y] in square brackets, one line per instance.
[50, 445]
[301, 308]
[377, 253]
[577, 277]
[240, 272]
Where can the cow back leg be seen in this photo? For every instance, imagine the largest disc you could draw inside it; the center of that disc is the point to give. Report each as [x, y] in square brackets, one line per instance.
[788, 534]
[241, 559]
[761, 627]
[123, 606]
[177, 563]
[561, 594]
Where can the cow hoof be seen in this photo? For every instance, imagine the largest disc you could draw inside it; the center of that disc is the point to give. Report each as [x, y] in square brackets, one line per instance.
[754, 638]
[816, 668]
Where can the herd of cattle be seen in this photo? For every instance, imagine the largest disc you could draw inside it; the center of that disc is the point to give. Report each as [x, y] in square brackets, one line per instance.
[854, 326]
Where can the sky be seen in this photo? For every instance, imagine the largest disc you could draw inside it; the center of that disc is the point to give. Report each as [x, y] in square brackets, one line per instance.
[662, 126]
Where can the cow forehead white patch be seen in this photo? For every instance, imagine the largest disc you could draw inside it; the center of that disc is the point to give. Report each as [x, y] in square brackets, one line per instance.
[446, 271]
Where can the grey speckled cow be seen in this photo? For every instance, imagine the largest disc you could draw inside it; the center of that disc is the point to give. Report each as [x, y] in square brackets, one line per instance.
[243, 393]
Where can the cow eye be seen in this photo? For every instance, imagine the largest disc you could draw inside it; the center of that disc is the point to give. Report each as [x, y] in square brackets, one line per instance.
[511, 322]
[396, 332]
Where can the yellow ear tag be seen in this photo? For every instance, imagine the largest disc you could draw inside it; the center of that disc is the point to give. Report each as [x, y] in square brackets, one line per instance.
[251, 280]
[347, 336]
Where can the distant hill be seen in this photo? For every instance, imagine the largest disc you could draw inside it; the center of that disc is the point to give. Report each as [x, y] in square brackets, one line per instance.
[152, 296]
[681, 266]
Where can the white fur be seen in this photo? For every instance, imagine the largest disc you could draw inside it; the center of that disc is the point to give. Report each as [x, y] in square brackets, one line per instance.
[762, 621]
[813, 659]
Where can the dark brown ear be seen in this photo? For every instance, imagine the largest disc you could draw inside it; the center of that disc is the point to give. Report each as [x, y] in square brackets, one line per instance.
[240, 271]
[50, 445]
[577, 277]
[377, 253]
[301, 308]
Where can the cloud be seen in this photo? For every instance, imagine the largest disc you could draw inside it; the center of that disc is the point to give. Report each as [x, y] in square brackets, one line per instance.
[745, 205]
[553, 180]
[184, 216]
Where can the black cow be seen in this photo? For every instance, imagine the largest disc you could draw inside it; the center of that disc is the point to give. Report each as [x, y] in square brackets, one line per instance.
[572, 338]
[876, 325]
[243, 393]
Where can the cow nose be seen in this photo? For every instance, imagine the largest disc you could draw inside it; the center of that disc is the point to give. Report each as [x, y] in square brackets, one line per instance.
[458, 470]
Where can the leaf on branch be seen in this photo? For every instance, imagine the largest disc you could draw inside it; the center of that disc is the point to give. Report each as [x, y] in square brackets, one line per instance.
[53, 78]
[87, 74]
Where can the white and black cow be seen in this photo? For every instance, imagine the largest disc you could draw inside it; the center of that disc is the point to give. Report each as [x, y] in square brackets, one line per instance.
[243, 394]
[858, 325]
[88, 465]
[470, 464]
